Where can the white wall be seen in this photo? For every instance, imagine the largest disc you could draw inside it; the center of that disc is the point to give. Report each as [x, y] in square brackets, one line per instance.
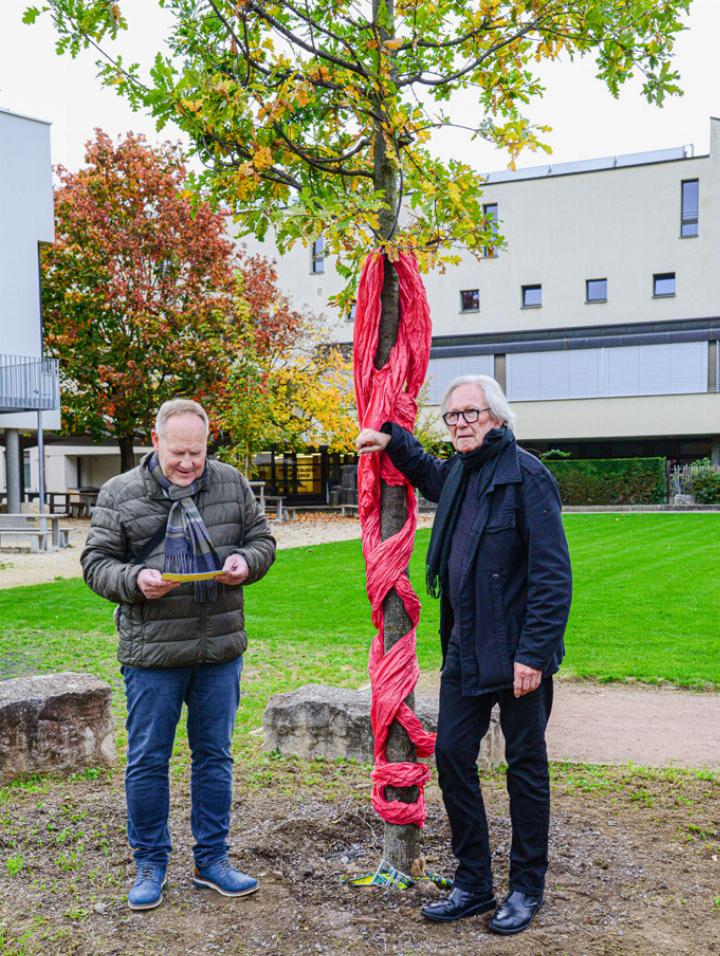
[622, 224]
[26, 219]
[100, 463]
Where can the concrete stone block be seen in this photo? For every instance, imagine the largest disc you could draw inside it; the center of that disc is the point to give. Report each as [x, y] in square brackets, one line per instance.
[321, 721]
[54, 722]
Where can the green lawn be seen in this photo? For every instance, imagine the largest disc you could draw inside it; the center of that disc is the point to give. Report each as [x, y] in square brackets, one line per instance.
[647, 606]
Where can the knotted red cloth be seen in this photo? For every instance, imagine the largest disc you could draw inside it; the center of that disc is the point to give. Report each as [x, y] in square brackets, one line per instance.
[389, 394]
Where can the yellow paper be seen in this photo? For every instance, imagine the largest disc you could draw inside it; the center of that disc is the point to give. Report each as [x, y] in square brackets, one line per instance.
[201, 576]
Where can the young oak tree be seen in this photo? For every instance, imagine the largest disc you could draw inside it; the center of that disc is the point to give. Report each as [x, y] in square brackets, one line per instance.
[314, 117]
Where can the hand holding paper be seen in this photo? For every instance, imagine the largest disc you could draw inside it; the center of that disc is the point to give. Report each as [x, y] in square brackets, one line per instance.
[235, 570]
[153, 585]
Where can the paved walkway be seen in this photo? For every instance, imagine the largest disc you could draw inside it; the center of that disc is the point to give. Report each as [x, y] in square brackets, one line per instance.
[618, 723]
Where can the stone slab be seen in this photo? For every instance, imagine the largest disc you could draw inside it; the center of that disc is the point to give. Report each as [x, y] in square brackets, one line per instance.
[334, 722]
[55, 722]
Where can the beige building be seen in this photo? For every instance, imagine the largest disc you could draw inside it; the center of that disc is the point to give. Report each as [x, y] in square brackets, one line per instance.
[601, 313]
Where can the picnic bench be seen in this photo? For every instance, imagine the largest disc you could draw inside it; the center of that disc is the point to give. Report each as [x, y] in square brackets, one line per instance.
[281, 513]
[41, 531]
[77, 504]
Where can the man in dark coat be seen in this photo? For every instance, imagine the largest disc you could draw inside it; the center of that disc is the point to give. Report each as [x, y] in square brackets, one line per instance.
[498, 560]
[179, 643]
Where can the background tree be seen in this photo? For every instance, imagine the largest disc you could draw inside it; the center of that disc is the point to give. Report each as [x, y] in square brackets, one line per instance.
[145, 298]
[291, 397]
[315, 117]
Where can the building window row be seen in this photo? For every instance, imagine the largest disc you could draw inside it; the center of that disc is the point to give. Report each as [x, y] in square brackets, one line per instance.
[596, 290]
[663, 369]
[674, 368]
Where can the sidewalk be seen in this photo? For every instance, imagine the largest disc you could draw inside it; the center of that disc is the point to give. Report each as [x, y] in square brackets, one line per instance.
[621, 723]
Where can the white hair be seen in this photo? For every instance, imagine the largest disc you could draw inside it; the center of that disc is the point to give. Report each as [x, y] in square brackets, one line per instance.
[495, 398]
[179, 406]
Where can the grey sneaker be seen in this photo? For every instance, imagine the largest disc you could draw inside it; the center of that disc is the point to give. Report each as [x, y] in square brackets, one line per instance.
[146, 892]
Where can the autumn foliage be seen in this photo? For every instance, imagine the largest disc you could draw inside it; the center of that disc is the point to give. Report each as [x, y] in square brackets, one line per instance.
[146, 298]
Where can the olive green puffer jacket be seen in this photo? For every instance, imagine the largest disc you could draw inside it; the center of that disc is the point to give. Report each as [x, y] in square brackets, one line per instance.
[175, 630]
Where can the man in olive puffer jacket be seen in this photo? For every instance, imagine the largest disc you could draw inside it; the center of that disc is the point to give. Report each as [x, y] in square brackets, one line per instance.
[179, 642]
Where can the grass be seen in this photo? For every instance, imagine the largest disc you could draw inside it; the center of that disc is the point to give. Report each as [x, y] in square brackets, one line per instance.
[646, 608]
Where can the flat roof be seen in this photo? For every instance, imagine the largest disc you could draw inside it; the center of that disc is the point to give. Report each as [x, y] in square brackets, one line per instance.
[22, 116]
[623, 161]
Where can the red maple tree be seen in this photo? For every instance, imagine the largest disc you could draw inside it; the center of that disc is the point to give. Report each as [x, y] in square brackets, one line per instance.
[145, 297]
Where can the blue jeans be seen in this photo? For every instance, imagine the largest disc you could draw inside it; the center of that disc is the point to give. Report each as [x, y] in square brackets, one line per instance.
[154, 700]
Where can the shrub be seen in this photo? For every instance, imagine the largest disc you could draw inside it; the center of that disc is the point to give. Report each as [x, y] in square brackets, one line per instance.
[705, 482]
[610, 481]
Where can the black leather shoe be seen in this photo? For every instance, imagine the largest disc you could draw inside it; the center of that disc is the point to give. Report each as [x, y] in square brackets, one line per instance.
[457, 905]
[515, 913]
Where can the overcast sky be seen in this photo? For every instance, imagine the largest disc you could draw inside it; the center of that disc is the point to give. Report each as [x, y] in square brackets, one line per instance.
[586, 120]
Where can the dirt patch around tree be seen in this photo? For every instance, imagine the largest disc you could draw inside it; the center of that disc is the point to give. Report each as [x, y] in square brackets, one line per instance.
[634, 870]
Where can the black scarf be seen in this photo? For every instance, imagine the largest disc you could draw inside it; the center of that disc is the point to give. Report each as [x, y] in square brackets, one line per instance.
[483, 459]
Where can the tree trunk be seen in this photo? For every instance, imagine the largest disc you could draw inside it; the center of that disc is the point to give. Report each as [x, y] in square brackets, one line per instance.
[127, 452]
[402, 843]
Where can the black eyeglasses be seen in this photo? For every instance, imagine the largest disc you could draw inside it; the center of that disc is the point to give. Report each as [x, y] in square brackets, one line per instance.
[469, 415]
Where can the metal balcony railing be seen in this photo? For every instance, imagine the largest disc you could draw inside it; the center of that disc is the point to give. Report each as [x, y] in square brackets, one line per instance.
[28, 384]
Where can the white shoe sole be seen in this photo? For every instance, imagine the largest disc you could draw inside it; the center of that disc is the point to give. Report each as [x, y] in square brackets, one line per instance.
[207, 885]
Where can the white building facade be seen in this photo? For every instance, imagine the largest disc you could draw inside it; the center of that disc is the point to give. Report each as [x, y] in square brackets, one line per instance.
[29, 393]
[600, 315]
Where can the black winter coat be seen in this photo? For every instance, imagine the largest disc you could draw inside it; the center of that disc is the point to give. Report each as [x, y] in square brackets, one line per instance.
[517, 583]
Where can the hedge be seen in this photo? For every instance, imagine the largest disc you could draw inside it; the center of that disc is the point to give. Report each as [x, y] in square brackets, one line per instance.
[610, 481]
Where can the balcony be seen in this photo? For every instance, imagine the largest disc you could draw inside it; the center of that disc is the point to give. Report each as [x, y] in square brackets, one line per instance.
[28, 384]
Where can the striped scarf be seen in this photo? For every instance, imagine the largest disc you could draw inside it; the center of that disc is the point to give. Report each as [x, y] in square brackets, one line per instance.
[188, 548]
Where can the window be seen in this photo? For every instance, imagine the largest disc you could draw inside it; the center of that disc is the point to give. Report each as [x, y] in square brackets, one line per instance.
[596, 290]
[663, 284]
[690, 207]
[470, 300]
[490, 211]
[318, 256]
[441, 371]
[675, 368]
[531, 296]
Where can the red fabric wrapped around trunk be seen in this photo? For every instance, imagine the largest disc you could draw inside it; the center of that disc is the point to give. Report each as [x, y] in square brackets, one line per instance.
[389, 394]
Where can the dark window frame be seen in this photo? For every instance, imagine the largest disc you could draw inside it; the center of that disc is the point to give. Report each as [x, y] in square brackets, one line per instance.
[317, 257]
[473, 308]
[530, 287]
[593, 301]
[687, 220]
[490, 252]
[660, 276]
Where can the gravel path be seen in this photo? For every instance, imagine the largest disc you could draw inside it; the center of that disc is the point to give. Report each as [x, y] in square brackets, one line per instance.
[628, 723]
[593, 723]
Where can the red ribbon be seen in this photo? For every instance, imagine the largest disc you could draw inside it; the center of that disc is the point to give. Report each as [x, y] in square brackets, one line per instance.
[389, 394]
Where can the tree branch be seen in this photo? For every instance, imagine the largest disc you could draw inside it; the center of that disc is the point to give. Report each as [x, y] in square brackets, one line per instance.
[445, 80]
[295, 40]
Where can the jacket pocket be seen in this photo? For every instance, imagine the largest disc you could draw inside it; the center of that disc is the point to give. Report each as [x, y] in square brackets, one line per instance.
[503, 521]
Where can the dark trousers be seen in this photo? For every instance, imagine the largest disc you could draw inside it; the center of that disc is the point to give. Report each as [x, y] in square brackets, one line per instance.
[155, 696]
[462, 723]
